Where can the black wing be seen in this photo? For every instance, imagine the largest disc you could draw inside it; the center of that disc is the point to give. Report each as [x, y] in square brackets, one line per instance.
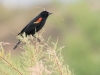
[30, 28]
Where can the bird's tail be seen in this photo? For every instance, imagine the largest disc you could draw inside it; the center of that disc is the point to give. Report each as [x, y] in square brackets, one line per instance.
[17, 45]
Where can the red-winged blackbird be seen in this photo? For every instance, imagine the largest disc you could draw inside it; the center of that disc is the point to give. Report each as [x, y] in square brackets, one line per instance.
[34, 26]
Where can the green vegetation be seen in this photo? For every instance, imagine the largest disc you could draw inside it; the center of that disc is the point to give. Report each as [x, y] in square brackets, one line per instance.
[36, 59]
[79, 32]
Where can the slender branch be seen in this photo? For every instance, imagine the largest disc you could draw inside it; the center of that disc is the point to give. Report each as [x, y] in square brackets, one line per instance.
[57, 61]
[58, 65]
[11, 65]
[3, 72]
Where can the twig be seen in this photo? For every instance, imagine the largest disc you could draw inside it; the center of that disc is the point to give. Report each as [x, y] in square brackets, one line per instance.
[57, 61]
[11, 65]
[58, 65]
[3, 72]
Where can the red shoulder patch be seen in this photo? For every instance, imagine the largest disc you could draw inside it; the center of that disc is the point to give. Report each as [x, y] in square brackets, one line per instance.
[39, 20]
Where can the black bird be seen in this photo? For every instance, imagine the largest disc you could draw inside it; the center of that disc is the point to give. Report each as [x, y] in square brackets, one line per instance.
[35, 25]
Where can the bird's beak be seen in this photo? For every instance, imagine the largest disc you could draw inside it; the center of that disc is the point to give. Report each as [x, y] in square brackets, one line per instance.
[50, 13]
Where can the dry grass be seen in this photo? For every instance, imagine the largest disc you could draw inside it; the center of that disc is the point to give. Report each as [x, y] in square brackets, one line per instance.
[36, 59]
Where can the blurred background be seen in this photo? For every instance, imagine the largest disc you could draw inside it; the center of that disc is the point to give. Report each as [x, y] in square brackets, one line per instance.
[76, 22]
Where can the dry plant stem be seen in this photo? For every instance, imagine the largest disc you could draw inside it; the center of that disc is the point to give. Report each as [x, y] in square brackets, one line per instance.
[11, 65]
[3, 72]
[37, 47]
[57, 61]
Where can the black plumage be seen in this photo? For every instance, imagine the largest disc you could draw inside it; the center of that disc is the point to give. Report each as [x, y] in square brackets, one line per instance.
[35, 25]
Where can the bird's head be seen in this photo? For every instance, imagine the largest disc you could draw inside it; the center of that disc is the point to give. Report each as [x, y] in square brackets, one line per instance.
[45, 13]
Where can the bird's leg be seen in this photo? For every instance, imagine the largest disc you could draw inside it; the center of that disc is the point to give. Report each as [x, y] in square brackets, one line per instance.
[37, 38]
